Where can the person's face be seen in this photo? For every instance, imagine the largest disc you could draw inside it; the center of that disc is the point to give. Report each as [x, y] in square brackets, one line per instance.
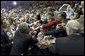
[49, 18]
[7, 22]
[76, 15]
[59, 16]
[80, 6]
[4, 25]
[82, 3]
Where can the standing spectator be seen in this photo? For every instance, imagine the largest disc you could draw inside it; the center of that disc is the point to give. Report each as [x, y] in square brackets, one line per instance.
[5, 42]
[22, 40]
[73, 44]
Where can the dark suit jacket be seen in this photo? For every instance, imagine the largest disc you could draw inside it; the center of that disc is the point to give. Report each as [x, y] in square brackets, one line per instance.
[57, 33]
[21, 43]
[71, 45]
[5, 43]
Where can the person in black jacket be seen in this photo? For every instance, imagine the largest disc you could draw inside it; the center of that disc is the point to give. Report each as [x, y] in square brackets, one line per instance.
[22, 40]
[73, 44]
[61, 32]
[5, 42]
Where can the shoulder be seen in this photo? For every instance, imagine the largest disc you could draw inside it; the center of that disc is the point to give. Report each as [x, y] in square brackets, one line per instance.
[61, 42]
[71, 22]
[62, 39]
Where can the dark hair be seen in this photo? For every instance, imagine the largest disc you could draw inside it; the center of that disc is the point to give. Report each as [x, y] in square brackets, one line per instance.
[1, 21]
[72, 5]
[63, 14]
[38, 17]
[79, 12]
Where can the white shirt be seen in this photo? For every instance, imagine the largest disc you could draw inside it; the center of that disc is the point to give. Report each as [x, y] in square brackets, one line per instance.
[68, 10]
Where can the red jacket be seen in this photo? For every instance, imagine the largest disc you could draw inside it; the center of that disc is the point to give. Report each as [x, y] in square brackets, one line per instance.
[50, 24]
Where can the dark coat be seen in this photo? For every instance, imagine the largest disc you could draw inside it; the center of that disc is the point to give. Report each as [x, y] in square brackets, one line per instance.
[71, 45]
[21, 43]
[5, 43]
[56, 33]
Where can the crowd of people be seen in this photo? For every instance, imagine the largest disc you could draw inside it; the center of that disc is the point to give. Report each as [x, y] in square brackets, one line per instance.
[43, 29]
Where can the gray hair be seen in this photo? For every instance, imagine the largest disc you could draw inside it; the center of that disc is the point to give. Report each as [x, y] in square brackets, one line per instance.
[23, 26]
[73, 26]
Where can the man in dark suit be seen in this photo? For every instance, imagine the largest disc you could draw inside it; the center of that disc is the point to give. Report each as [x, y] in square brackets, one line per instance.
[56, 32]
[5, 42]
[73, 44]
[22, 40]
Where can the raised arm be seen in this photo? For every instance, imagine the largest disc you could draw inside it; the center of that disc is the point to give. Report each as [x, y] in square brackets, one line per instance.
[61, 8]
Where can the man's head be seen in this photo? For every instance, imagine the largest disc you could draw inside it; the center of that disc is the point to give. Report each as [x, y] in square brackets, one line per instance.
[77, 14]
[73, 26]
[82, 3]
[38, 17]
[61, 16]
[11, 20]
[23, 27]
[49, 16]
